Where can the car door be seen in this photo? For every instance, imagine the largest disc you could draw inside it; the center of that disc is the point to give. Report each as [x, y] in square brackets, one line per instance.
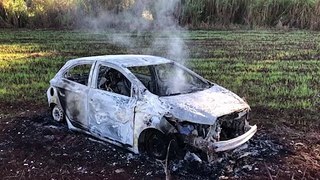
[111, 110]
[73, 93]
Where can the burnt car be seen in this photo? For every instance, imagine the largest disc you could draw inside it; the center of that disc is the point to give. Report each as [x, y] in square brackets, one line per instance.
[139, 102]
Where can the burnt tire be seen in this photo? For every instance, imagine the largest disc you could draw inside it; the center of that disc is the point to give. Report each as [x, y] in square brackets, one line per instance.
[156, 145]
[57, 113]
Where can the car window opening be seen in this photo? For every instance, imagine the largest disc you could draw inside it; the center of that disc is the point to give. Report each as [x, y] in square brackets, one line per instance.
[114, 81]
[168, 79]
[79, 74]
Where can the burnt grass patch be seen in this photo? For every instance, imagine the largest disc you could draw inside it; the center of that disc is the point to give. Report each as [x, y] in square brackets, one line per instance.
[34, 146]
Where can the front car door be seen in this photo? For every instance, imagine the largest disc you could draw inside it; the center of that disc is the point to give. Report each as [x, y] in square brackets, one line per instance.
[111, 104]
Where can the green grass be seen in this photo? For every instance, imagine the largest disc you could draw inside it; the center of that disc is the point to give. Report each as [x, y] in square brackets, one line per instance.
[270, 69]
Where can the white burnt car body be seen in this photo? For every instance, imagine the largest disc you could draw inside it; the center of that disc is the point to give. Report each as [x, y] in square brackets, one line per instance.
[138, 101]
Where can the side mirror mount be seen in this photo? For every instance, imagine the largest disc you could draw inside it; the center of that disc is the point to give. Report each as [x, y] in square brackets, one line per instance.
[136, 93]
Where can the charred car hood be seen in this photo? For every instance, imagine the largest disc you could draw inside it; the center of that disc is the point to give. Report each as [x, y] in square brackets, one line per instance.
[204, 107]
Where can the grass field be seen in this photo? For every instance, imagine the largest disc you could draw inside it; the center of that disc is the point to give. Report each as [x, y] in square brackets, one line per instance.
[276, 72]
[270, 69]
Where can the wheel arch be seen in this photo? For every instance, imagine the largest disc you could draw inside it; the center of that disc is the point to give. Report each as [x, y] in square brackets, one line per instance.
[52, 95]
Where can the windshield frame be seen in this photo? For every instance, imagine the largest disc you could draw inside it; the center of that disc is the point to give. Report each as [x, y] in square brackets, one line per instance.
[155, 78]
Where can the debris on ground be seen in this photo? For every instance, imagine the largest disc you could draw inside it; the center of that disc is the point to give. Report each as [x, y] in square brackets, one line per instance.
[192, 157]
[236, 163]
[38, 148]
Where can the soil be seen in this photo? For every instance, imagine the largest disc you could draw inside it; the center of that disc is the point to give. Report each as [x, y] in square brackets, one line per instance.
[33, 146]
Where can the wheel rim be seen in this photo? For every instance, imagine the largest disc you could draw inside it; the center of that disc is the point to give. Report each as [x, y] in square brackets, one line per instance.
[57, 114]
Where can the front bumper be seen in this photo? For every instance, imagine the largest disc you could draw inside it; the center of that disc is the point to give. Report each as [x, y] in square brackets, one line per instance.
[219, 146]
[233, 143]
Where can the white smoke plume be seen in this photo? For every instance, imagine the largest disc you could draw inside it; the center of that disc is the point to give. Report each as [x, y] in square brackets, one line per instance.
[157, 18]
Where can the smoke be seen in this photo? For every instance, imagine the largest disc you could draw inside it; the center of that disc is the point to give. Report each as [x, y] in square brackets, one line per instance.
[144, 27]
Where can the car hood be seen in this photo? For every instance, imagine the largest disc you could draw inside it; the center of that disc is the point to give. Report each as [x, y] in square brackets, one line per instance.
[204, 107]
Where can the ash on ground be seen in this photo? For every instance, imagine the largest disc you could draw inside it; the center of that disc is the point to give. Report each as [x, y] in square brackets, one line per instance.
[37, 148]
[236, 163]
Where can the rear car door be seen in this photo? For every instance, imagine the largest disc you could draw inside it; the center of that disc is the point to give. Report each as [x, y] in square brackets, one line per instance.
[111, 105]
[73, 92]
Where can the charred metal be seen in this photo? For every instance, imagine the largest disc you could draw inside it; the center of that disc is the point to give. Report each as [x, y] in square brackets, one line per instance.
[205, 137]
[139, 102]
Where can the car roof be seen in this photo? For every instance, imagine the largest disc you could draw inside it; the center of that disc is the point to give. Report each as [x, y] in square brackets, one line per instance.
[127, 60]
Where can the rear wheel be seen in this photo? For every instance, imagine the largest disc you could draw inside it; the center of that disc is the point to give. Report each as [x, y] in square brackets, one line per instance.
[57, 113]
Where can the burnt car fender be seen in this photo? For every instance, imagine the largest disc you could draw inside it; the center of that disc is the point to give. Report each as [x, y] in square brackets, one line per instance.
[150, 115]
[53, 97]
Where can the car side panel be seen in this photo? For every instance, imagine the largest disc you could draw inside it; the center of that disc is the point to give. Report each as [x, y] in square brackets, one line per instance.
[72, 95]
[73, 98]
[111, 116]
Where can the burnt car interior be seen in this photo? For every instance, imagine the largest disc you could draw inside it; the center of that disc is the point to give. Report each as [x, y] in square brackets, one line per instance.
[144, 74]
[168, 79]
[111, 80]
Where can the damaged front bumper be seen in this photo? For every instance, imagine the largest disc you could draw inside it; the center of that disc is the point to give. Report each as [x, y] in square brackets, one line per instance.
[219, 146]
[233, 143]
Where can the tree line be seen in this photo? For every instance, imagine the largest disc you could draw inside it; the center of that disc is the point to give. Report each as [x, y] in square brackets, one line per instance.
[302, 14]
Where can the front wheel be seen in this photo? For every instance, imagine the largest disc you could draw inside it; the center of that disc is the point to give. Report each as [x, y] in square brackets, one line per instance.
[156, 145]
[57, 113]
